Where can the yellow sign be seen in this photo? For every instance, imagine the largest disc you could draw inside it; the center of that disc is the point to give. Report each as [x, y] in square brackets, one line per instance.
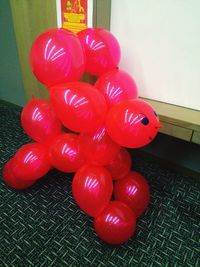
[74, 15]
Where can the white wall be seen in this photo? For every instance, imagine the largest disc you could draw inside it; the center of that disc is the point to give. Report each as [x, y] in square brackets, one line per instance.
[160, 43]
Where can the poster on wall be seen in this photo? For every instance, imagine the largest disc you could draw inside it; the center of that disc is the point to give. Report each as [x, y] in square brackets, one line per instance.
[74, 15]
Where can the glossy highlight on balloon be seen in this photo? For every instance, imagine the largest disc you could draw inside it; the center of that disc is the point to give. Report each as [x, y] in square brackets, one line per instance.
[117, 86]
[56, 57]
[92, 188]
[86, 129]
[80, 106]
[65, 153]
[11, 180]
[102, 50]
[133, 190]
[31, 162]
[121, 164]
[39, 120]
[116, 223]
[132, 123]
[98, 147]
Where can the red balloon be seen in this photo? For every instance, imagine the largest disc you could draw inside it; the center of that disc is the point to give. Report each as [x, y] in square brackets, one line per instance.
[116, 86]
[39, 121]
[80, 106]
[11, 180]
[31, 162]
[102, 50]
[92, 188]
[132, 123]
[121, 164]
[133, 190]
[116, 224]
[57, 57]
[65, 153]
[98, 147]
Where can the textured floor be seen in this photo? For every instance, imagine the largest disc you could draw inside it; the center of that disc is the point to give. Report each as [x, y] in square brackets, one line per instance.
[42, 226]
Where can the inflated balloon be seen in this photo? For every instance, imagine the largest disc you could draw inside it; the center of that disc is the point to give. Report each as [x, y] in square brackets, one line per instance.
[98, 147]
[39, 121]
[92, 188]
[132, 123]
[116, 86]
[31, 162]
[133, 190]
[80, 106]
[11, 180]
[57, 57]
[65, 153]
[121, 164]
[102, 50]
[107, 116]
[116, 224]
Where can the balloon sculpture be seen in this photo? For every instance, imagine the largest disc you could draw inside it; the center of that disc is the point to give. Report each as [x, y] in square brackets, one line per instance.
[103, 120]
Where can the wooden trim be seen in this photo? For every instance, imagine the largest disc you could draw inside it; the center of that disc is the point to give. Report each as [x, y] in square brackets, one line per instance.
[101, 14]
[196, 137]
[176, 131]
[184, 117]
[180, 122]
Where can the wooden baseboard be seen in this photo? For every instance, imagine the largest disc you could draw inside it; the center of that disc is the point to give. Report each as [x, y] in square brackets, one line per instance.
[180, 122]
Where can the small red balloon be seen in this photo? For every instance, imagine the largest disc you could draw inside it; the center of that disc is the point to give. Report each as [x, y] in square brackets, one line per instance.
[31, 162]
[101, 48]
[92, 188]
[132, 123]
[39, 120]
[56, 57]
[116, 86]
[65, 153]
[80, 106]
[98, 147]
[11, 180]
[116, 223]
[121, 164]
[133, 190]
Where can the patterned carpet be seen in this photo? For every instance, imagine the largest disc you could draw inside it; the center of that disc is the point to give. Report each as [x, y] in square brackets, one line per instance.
[42, 226]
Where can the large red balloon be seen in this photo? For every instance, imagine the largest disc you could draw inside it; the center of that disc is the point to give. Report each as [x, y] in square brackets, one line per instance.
[65, 153]
[132, 123]
[102, 50]
[116, 86]
[133, 190]
[121, 164]
[92, 189]
[98, 147]
[80, 106]
[116, 224]
[57, 57]
[39, 121]
[11, 180]
[31, 162]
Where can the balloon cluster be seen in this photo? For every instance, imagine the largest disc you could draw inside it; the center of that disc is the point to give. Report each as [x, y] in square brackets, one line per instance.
[84, 128]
